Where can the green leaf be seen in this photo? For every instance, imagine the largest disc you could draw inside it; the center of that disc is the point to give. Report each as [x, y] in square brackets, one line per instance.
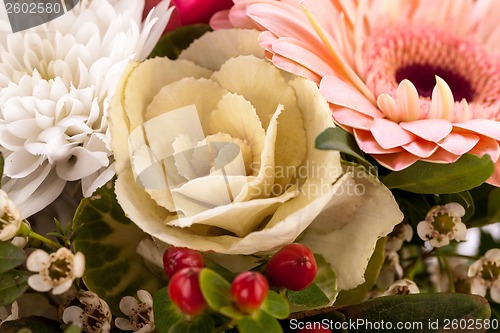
[73, 329]
[357, 294]
[432, 178]
[108, 239]
[215, 289]
[325, 278]
[165, 312]
[484, 198]
[172, 43]
[311, 297]
[336, 138]
[494, 205]
[202, 323]
[10, 256]
[12, 285]
[425, 313]
[33, 324]
[260, 321]
[275, 305]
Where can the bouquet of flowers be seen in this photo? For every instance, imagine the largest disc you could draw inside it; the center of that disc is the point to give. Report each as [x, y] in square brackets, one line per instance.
[250, 166]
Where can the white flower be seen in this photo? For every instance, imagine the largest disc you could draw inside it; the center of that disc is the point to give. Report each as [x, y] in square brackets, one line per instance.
[140, 313]
[402, 232]
[390, 270]
[442, 224]
[56, 270]
[56, 81]
[90, 313]
[485, 273]
[215, 151]
[402, 287]
[10, 218]
[5, 316]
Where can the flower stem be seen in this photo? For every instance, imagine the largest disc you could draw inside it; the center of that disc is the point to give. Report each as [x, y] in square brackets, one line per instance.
[24, 231]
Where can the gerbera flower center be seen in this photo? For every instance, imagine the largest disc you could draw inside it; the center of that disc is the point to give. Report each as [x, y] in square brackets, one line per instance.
[419, 54]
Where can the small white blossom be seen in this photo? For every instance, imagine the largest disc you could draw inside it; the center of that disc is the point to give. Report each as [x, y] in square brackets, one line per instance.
[402, 287]
[140, 313]
[442, 224]
[485, 274]
[56, 270]
[5, 316]
[10, 218]
[91, 313]
[402, 232]
[390, 271]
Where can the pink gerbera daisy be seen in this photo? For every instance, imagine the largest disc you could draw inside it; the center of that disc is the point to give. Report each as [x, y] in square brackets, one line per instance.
[411, 79]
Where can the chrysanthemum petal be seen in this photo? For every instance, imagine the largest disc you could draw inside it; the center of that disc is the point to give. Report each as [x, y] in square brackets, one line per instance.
[429, 129]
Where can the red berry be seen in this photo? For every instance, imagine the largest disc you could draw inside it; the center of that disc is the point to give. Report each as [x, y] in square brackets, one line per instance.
[177, 258]
[184, 291]
[249, 289]
[293, 267]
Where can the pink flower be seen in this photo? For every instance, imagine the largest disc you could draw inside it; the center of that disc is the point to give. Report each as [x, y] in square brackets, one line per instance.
[190, 11]
[412, 80]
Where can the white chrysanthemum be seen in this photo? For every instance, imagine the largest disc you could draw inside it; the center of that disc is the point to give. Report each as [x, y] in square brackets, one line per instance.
[55, 83]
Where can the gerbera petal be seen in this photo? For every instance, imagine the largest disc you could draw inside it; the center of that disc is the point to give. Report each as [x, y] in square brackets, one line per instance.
[495, 177]
[484, 127]
[294, 67]
[408, 101]
[390, 134]
[442, 101]
[341, 93]
[296, 51]
[345, 117]
[421, 148]
[442, 156]
[487, 146]
[459, 143]
[396, 161]
[369, 145]
[429, 129]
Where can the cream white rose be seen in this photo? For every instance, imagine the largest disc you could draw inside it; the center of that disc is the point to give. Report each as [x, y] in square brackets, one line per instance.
[215, 151]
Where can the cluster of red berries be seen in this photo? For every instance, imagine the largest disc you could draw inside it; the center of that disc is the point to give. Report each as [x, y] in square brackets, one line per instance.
[293, 267]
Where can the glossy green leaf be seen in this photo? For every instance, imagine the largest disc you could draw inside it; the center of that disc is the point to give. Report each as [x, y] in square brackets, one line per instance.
[166, 314]
[336, 138]
[423, 313]
[13, 284]
[172, 43]
[424, 177]
[10, 256]
[359, 293]
[202, 323]
[311, 297]
[260, 321]
[34, 324]
[108, 239]
[215, 289]
[275, 305]
[484, 197]
[494, 205]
